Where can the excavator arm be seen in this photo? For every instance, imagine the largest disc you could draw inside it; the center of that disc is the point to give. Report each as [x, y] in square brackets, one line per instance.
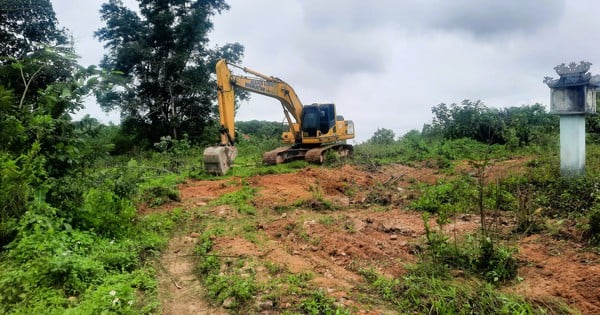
[260, 84]
[218, 159]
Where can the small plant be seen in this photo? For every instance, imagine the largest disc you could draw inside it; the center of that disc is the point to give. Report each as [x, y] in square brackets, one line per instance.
[480, 256]
[327, 220]
[158, 195]
[318, 202]
[240, 200]
[447, 197]
[319, 303]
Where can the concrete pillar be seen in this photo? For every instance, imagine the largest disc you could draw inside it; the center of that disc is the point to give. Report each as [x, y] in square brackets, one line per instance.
[572, 145]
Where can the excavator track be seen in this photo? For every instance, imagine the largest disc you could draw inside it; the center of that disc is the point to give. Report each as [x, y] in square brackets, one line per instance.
[317, 155]
[284, 155]
[313, 155]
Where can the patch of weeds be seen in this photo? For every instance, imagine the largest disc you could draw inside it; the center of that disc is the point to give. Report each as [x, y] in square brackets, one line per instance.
[419, 291]
[225, 283]
[133, 293]
[159, 195]
[296, 230]
[221, 287]
[250, 230]
[349, 225]
[327, 220]
[455, 196]
[318, 202]
[319, 303]
[593, 227]
[496, 263]
[384, 193]
[274, 269]
[480, 256]
[240, 200]
[279, 209]
[349, 189]
[104, 212]
[298, 279]
[568, 195]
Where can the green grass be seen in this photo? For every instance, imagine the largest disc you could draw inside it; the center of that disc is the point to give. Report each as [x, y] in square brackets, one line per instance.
[422, 291]
[240, 200]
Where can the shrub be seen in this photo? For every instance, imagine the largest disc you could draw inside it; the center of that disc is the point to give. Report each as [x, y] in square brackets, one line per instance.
[593, 229]
[105, 212]
[319, 303]
[447, 197]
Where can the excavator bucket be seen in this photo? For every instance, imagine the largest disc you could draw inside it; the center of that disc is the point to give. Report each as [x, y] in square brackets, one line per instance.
[218, 159]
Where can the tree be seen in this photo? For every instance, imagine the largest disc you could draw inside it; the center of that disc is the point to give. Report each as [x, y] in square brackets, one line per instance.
[26, 26]
[470, 119]
[166, 86]
[41, 84]
[383, 136]
[529, 124]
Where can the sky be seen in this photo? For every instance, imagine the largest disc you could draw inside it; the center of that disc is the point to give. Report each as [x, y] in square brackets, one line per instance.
[386, 63]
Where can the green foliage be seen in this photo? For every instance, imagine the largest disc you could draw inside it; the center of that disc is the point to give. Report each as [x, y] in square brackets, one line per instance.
[318, 202]
[164, 86]
[593, 228]
[50, 261]
[240, 200]
[263, 130]
[119, 294]
[320, 304]
[529, 125]
[382, 136]
[27, 25]
[421, 292]
[480, 256]
[447, 197]
[105, 213]
[514, 126]
[414, 147]
[221, 285]
[469, 120]
[19, 178]
[563, 195]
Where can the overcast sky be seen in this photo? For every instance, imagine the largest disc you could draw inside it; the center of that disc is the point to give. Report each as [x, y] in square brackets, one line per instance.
[385, 63]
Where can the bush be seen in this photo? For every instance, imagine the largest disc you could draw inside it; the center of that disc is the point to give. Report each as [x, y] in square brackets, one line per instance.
[105, 213]
[447, 197]
[480, 255]
[593, 229]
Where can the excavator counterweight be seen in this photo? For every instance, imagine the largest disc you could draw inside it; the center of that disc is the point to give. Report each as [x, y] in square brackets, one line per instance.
[313, 131]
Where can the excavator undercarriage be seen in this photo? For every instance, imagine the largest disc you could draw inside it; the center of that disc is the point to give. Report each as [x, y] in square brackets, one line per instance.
[313, 155]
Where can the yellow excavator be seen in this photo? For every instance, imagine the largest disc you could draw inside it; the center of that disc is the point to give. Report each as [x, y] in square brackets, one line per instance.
[313, 131]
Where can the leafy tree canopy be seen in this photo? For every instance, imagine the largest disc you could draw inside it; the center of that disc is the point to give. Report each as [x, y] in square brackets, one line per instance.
[26, 26]
[473, 119]
[383, 136]
[166, 87]
[261, 129]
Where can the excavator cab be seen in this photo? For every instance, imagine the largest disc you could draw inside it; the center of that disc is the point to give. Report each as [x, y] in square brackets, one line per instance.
[317, 119]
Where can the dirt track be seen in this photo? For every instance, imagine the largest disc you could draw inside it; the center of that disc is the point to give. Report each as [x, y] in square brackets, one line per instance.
[334, 245]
